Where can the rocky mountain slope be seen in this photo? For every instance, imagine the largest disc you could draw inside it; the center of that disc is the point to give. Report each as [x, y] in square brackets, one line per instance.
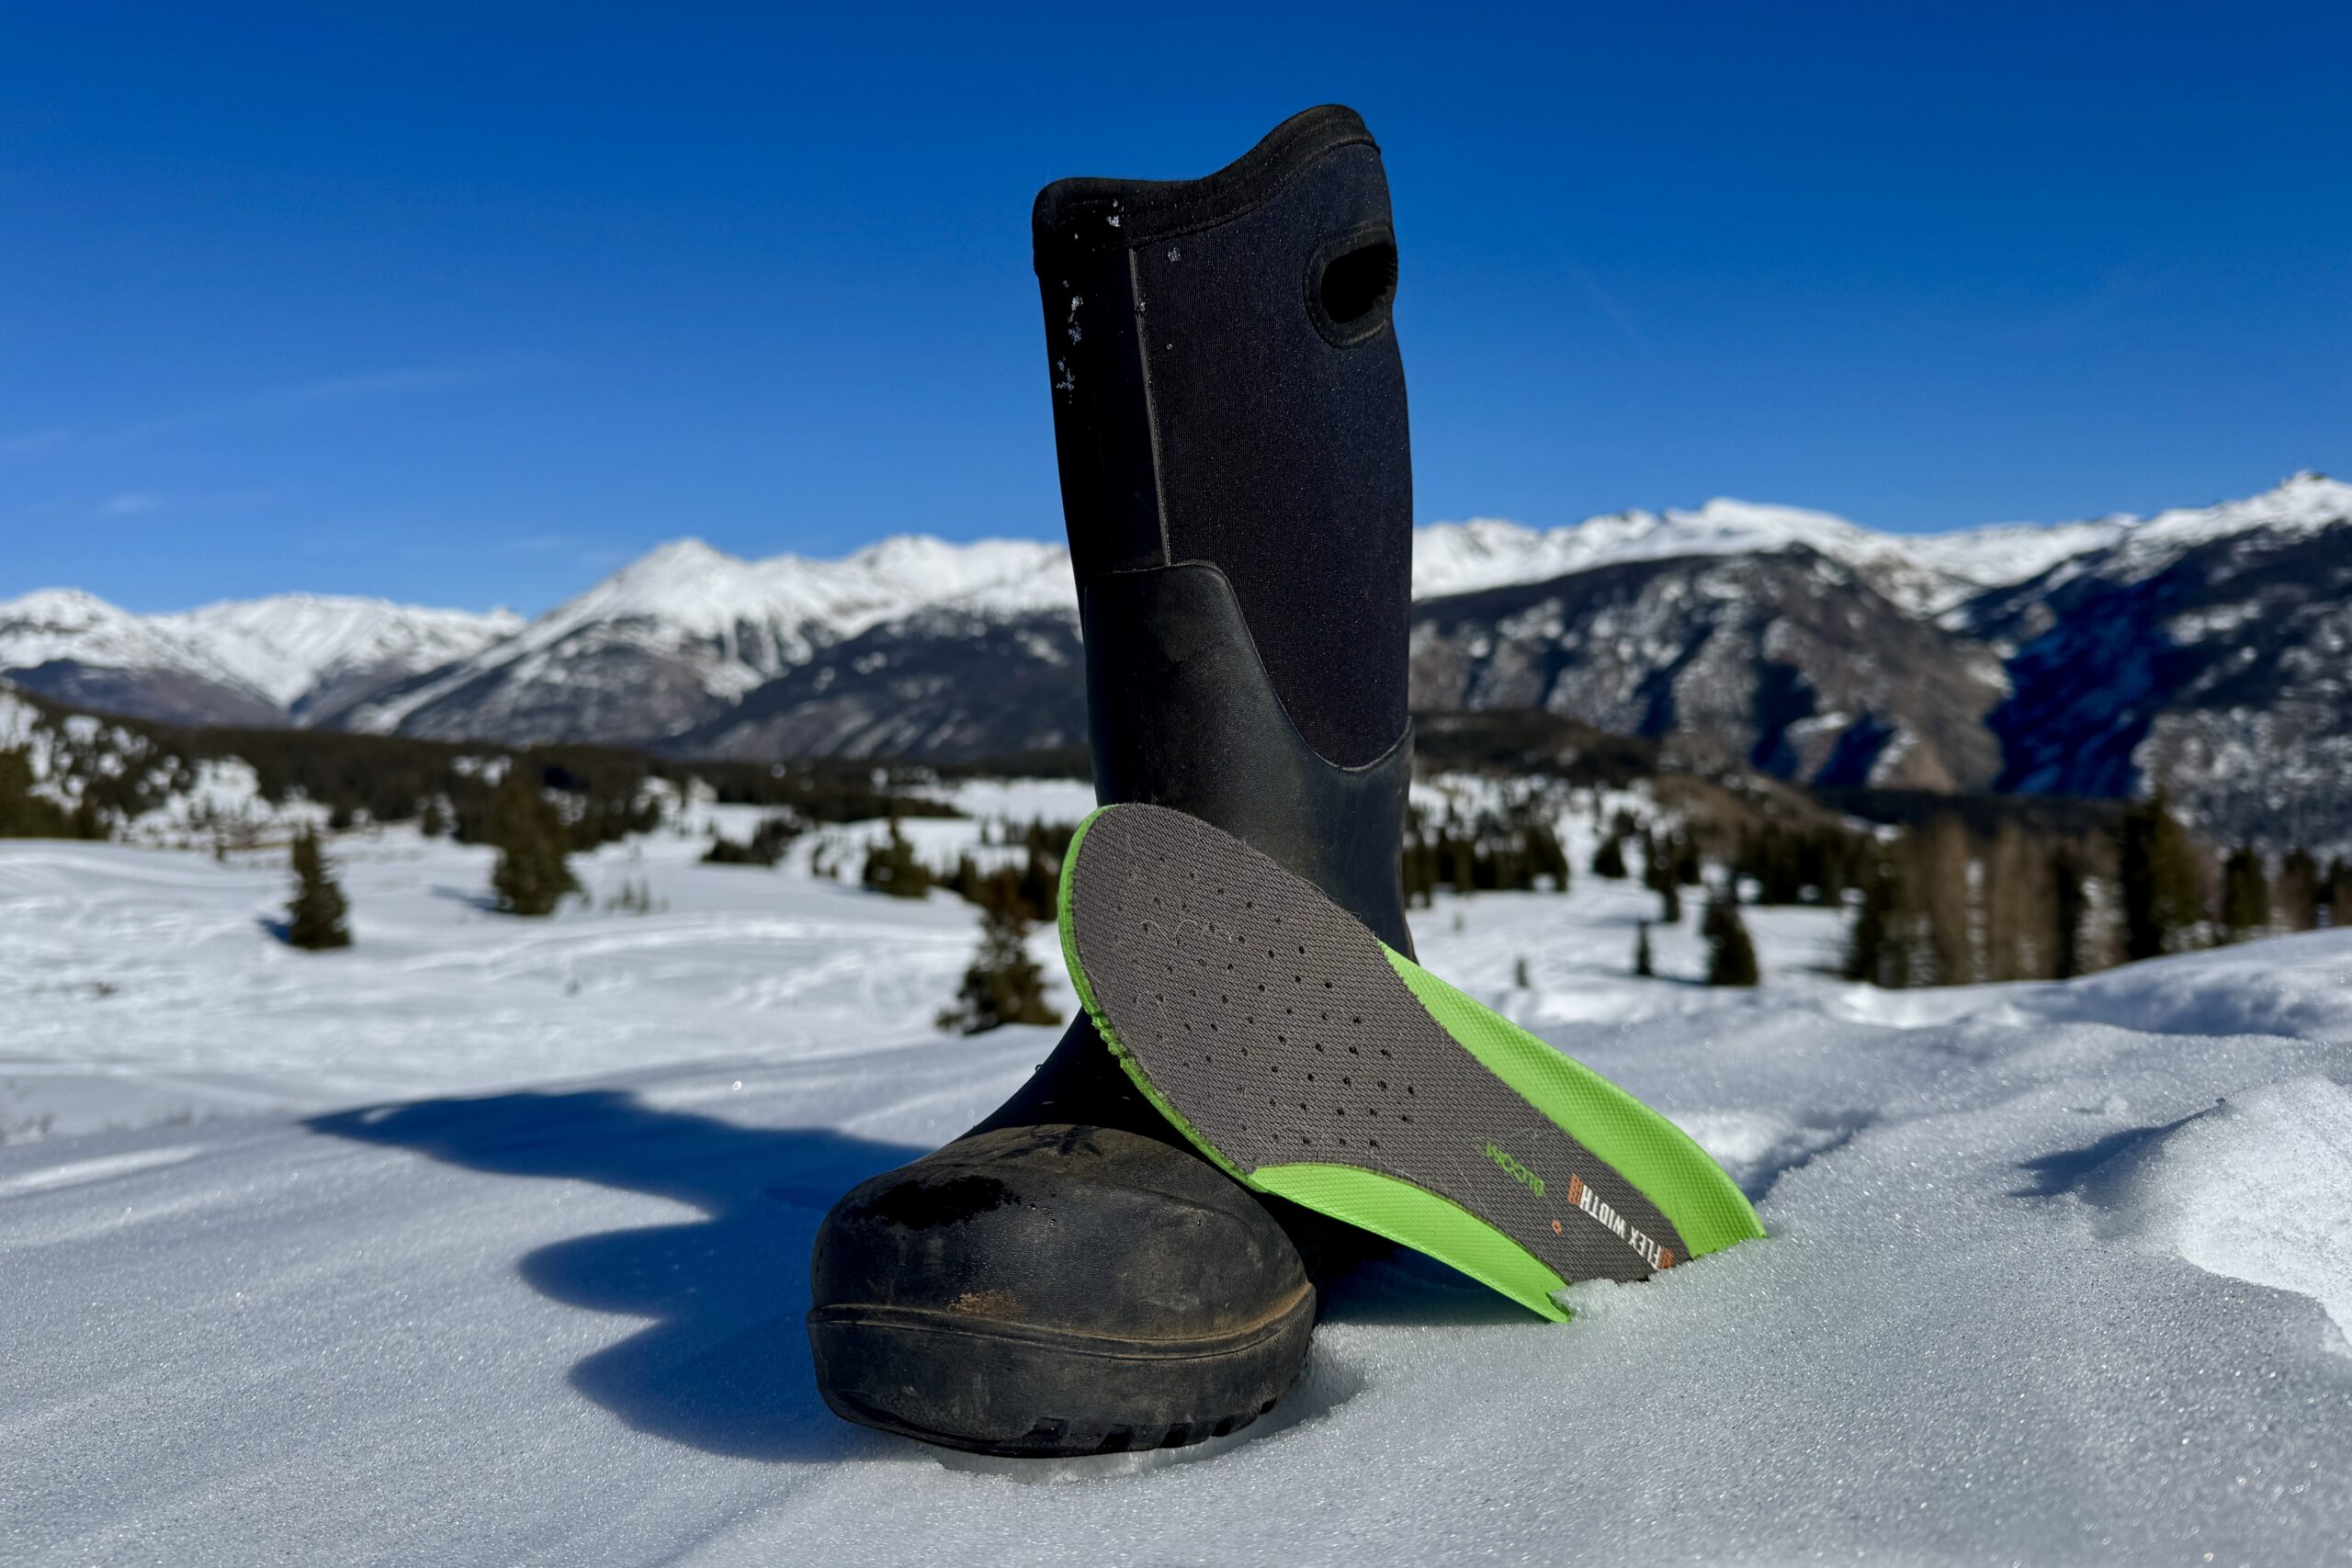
[1789, 660]
[2210, 651]
[2200, 650]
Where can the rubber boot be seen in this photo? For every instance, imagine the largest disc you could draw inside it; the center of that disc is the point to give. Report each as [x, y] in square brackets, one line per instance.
[1070, 1277]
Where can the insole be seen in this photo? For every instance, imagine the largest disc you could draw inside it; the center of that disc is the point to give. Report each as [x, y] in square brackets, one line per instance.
[1312, 1062]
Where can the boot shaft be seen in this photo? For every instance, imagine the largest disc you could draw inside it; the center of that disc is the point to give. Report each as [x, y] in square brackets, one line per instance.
[1227, 389]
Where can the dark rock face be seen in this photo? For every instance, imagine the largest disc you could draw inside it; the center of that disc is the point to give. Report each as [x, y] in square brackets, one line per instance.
[2222, 674]
[1790, 662]
[610, 691]
[942, 685]
[170, 696]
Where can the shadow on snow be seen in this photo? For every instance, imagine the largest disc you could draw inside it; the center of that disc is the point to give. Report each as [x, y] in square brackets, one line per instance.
[2094, 1170]
[723, 1365]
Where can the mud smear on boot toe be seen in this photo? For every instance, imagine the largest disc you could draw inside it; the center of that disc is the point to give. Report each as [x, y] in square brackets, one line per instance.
[925, 1205]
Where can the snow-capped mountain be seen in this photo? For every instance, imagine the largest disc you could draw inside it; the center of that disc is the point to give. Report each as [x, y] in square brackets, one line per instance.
[1922, 573]
[78, 649]
[2200, 650]
[915, 645]
[259, 661]
[1463, 558]
[679, 637]
[311, 650]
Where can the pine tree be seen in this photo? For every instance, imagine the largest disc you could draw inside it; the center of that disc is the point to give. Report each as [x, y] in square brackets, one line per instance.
[2246, 896]
[1942, 858]
[767, 845]
[966, 880]
[1867, 946]
[1731, 957]
[892, 867]
[1003, 985]
[1040, 878]
[532, 877]
[1461, 864]
[2070, 899]
[1545, 855]
[1417, 871]
[1609, 860]
[315, 920]
[2161, 895]
[23, 814]
[2297, 891]
[1777, 861]
[2336, 893]
[2019, 898]
[1642, 964]
[433, 820]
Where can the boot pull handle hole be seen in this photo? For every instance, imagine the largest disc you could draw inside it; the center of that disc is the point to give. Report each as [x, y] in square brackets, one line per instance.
[1360, 282]
[1350, 283]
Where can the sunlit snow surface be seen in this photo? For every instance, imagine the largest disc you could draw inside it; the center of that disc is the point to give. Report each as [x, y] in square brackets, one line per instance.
[2057, 1274]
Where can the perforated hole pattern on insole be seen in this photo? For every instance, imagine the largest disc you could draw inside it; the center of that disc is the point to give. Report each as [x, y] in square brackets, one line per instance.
[1274, 1024]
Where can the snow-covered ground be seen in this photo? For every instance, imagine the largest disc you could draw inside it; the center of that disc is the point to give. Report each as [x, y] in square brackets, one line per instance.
[2057, 1273]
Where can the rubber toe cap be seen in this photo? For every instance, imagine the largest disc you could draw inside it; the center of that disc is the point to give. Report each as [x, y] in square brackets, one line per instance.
[1056, 1289]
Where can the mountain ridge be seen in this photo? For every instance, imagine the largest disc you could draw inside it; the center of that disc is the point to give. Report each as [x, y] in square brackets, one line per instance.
[1772, 637]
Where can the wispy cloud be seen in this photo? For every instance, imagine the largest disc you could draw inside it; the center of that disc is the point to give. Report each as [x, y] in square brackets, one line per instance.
[137, 502]
[338, 387]
[535, 545]
[1606, 303]
[590, 554]
[271, 403]
[34, 441]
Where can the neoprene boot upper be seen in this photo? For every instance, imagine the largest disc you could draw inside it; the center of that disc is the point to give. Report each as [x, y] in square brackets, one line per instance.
[1228, 391]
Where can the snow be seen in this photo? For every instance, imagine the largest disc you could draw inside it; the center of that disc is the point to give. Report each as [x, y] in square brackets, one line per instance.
[1458, 558]
[2057, 1272]
[2187, 1191]
[699, 589]
[18, 719]
[2306, 505]
[2005, 553]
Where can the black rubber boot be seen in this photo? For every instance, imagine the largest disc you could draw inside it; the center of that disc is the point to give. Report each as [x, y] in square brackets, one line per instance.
[1070, 1277]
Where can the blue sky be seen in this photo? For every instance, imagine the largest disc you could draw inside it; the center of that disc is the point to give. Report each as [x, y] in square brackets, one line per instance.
[465, 305]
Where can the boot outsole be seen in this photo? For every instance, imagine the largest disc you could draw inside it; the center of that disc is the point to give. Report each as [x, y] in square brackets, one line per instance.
[1312, 1062]
[1019, 1392]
